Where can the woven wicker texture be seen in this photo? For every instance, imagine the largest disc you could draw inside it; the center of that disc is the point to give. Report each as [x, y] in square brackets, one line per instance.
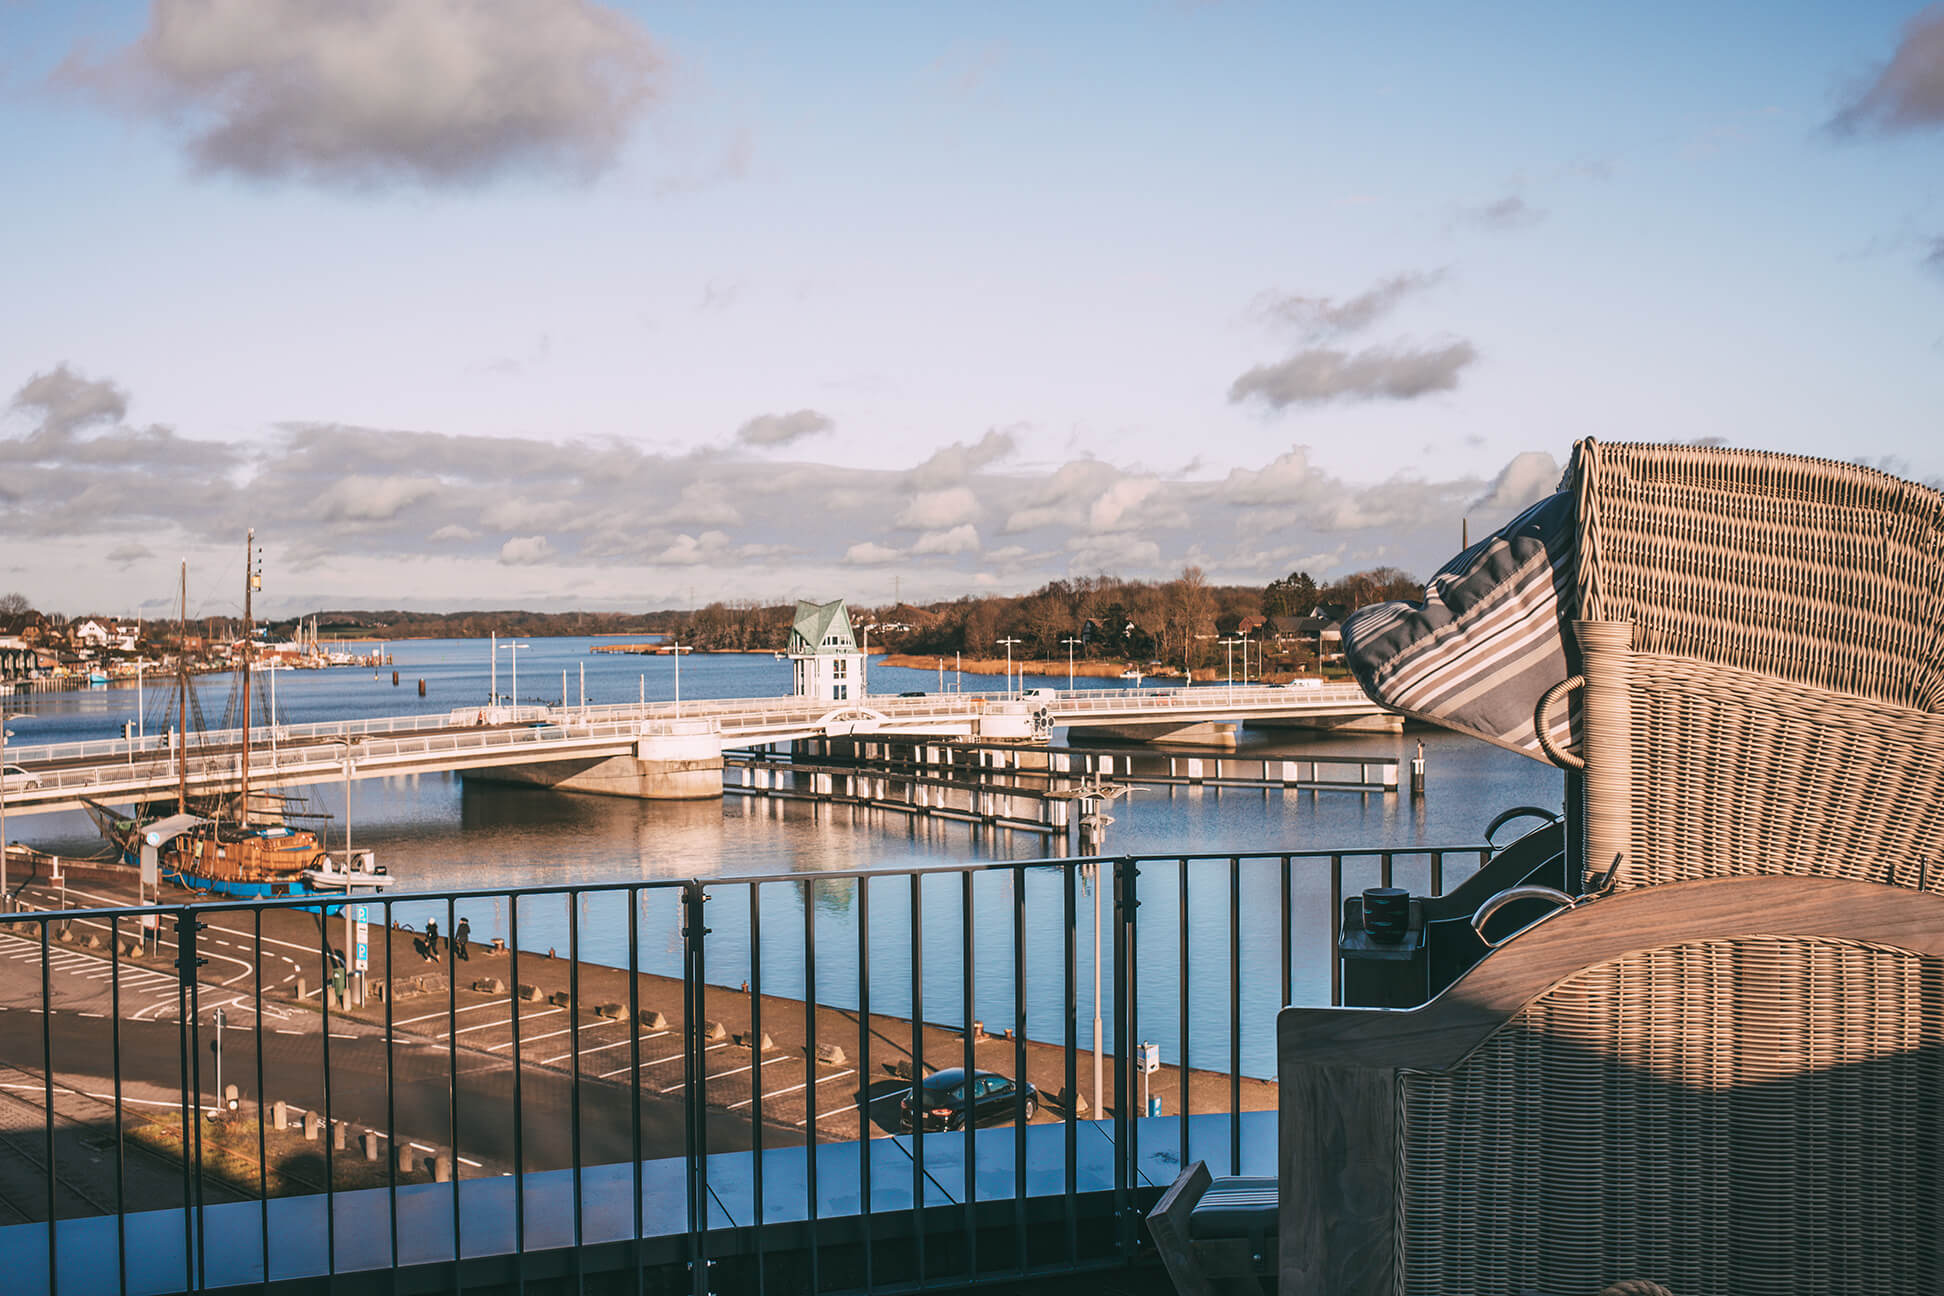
[1777, 709]
[1722, 1117]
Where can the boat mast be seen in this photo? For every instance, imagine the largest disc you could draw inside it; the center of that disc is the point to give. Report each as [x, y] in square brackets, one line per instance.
[182, 694]
[251, 579]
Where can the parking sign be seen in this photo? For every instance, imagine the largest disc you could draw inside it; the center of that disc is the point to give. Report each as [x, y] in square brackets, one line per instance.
[361, 939]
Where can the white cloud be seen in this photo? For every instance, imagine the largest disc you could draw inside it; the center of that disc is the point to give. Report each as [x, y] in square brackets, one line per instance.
[958, 540]
[373, 499]
[688, 550]
[1320, 375]
[869, 553]
[453, 531]
[1117, 508]
[934, 510]
[524, 551]
[704, 503]
[437, 92]
[782, 429]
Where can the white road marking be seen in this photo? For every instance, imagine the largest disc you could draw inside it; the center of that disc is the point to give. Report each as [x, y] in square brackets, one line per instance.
[780, 1093]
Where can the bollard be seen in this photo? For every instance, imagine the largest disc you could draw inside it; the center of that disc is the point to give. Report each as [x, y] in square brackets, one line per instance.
[369, 1141]
[301, 988]
[339, 1132]
[394, 679]
[421, 688]
[498, 946]
[231, 1097]
[442, 1167]
[311, 1126]
[407, 1160]
[279, 1116]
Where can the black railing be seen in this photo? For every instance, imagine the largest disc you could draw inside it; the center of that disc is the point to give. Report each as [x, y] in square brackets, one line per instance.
[657, 1075]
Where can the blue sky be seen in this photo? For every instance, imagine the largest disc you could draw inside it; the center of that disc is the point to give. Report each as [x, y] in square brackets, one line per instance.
[562, 304]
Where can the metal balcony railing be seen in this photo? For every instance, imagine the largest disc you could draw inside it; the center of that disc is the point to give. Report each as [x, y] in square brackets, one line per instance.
[698, 1077]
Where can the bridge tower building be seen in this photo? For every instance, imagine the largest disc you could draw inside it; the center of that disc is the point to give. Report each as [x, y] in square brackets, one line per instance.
[824, 659]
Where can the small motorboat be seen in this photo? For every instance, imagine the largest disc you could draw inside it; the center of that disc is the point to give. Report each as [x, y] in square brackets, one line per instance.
[330, 873]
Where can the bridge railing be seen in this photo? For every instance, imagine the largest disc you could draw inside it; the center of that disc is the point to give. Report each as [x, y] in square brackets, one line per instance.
[702, 1077]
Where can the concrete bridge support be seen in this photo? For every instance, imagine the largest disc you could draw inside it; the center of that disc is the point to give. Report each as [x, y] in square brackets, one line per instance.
[664, 767]
[1204, 733]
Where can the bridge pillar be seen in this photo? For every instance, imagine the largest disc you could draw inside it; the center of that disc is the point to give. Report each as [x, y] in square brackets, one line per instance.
[664, 767]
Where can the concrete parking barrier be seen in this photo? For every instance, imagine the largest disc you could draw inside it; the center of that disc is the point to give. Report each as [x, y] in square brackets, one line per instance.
[490, 985]
[714, 1030]
[561, 999]
[529, 993]
[832, 1054]
[611, 1011]
[653, 1020]
[745, 1039]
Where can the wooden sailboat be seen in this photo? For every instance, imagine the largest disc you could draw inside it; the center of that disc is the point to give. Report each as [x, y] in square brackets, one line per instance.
[240, 856]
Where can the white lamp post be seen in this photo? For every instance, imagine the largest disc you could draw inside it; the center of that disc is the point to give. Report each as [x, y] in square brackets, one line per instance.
[514, 648]
[1070, 642]
[1009, 641]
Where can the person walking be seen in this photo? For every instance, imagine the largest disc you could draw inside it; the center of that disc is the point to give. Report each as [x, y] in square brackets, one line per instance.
[432, 938]
[460, 936]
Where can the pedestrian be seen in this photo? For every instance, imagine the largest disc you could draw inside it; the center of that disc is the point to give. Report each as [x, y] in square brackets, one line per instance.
[460, 936]
[432, 938]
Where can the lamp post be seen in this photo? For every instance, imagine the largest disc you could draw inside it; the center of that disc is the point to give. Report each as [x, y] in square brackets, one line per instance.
[5, 733]
[1069, 641]
[1009, 641]
[678, 650]
[1230, 643]
[514, 648]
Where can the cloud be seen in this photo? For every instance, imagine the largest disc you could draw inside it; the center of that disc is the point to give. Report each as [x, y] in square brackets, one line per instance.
[782, 429]
[957, 461]
[1527, 479]
[124, 554]
[1322, 317]
[1502, 215]
[958, 540]
[932, 510]
[433, 92]
[524, 551]
[373, 499]
[1320, 375]
[869, 553]
[456, 520]
[1908, 92]
[688, 550]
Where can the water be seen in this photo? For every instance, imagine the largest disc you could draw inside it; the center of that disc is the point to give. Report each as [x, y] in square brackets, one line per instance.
[438, 832]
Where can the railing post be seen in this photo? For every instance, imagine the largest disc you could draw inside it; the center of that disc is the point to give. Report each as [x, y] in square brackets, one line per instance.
[695, 1092]
[187, 1006]
[1126, 1167]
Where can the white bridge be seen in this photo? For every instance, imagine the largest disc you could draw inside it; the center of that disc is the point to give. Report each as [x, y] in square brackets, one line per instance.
[661, 751]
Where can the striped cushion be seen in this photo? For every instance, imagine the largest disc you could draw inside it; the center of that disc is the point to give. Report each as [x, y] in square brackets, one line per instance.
[1237, 1206]
[1488, 640]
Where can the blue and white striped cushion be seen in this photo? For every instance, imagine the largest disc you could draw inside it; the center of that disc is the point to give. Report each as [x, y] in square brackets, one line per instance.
[1488, 640]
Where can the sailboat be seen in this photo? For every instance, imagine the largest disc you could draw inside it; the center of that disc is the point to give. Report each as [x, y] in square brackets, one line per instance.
[239, 856]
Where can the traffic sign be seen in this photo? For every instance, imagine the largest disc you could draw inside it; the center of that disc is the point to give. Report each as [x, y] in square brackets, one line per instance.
[361, 941]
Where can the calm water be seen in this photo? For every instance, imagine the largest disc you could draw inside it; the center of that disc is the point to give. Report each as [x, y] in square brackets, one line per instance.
[438, 832]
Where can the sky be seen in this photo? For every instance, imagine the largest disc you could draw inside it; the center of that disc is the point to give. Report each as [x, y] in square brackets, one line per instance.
[560, 304]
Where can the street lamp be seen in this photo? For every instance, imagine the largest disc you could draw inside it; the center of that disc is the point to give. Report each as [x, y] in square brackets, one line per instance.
[678, 650]
[1009, 641]
[1230, 643]
[514, 648]
[5, 733]
[1069, 641]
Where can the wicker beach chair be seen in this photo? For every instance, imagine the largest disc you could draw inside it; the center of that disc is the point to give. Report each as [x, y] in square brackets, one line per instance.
[1725, 1086]
[1739, 654]
[1762, 642]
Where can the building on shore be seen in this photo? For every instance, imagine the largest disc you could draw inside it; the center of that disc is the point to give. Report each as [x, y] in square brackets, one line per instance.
[824, 659]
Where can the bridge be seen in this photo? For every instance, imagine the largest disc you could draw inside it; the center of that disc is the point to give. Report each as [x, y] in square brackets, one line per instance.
[658, 751]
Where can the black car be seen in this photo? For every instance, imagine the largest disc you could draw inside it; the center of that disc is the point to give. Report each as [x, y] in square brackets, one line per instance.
[938, 1102]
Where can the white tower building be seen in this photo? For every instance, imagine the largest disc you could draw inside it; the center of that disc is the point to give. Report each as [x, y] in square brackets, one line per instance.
[824, 658]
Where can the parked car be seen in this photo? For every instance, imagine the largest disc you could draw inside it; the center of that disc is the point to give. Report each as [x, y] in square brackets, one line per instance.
[16, 779]
[939, 1100]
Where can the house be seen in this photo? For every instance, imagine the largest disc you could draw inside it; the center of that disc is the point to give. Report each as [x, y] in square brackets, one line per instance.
[825, 662]
[1321, 634]
[91, 634]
